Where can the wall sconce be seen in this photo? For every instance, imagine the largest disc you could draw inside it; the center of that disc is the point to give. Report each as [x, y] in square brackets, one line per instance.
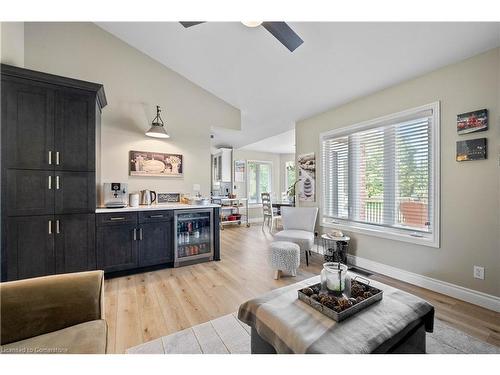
[157, 126]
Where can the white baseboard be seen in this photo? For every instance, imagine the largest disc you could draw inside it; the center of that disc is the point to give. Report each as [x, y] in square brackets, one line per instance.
[487, 301]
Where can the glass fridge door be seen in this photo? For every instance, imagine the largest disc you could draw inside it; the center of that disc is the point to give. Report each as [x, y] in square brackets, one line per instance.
[193, 235]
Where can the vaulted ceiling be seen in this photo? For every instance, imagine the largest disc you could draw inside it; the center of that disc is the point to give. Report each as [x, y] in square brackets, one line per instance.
[273, 88]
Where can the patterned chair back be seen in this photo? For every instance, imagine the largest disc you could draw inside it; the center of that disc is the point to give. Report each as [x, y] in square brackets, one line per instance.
[267, 206]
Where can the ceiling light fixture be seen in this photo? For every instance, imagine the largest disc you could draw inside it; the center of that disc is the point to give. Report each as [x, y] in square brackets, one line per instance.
[251, 23]
[157, 127]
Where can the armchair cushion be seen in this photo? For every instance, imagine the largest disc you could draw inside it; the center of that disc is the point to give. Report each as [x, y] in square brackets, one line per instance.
[300, 218]
[303, 238]
[84, 338]
[37, 306]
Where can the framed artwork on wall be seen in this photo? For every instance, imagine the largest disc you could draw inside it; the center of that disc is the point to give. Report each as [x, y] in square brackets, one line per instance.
[239, 170]
[307, 177]
[155, 164]
[471, 122]
[471, 149]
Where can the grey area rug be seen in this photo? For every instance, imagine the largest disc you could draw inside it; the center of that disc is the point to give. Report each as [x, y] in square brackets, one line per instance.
[228, 335]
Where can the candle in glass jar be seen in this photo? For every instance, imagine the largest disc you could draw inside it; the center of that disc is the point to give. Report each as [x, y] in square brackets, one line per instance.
[333, 276]
[333, 281]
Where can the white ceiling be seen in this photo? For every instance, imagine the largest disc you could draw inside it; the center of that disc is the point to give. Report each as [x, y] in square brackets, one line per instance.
[283, 143]
[250, 69]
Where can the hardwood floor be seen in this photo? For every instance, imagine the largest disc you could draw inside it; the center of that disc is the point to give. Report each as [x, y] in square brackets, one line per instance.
[146, 306]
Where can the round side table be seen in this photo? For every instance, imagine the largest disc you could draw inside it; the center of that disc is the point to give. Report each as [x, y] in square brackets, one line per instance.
[335, 248]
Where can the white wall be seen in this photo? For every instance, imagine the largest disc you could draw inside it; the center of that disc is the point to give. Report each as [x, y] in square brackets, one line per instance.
[134, 84]
[283, 159]
[470, 191]
[12, 43]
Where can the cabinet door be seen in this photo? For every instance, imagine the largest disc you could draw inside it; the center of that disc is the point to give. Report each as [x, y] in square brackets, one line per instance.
[156, 243]
[116, 247]
[75, 131]
[27, 125]
[226, 166]
[75, 243]
[29, 247]
[30, 192]
[74, 192]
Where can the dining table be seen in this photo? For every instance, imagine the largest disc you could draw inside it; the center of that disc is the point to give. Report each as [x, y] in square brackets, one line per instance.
[282, 203]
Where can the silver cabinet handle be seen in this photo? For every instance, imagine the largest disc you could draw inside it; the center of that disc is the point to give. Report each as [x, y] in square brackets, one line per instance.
[140, 234]
[135, 234]
[50, 226]
[50, 157]
[116, 218]
[57, 157]
[50, 182]
[155, 216]
[57, 227]
[57, 182]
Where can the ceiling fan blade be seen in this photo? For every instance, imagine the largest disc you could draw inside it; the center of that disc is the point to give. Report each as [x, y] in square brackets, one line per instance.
[284, 34]
[190, 23]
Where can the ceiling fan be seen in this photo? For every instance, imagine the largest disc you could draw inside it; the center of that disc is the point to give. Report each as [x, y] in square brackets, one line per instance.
[280, 31]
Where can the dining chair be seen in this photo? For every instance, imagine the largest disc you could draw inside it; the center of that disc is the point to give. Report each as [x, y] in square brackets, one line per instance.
[298, 227]
[267, 212]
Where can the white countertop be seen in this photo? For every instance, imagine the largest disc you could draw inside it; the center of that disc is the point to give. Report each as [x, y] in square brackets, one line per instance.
[154, 207]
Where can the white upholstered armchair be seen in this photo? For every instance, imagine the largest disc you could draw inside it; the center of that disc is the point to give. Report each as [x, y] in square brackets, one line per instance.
[298, 227]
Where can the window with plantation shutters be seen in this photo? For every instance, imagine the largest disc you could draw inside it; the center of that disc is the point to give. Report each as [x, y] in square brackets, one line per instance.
[381, 177]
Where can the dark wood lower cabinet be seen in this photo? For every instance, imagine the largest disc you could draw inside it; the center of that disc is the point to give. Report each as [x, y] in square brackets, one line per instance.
[48, 244]
[156, 243]
[126, 244]
[117, 247]
[30, 248]
[51, 244]
[75, 243]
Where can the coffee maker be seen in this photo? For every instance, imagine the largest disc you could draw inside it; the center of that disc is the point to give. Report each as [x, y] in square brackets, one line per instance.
[115, 194]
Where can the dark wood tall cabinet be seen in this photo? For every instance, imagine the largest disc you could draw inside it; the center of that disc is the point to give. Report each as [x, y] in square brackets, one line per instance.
[48, 169]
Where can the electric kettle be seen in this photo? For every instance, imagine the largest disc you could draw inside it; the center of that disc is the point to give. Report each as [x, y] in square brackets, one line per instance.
[147, 197]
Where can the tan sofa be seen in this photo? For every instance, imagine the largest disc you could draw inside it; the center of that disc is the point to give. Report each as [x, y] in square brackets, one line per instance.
[54, 314]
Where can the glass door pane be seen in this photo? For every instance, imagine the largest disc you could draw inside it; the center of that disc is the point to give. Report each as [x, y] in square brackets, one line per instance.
[193, 234]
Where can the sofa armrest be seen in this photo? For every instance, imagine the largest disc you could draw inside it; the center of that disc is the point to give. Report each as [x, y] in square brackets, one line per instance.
[41, 305]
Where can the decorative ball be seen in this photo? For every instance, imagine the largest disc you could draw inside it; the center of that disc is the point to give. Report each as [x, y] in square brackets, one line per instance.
[308, 291]
[359, 299]
[315, 289]
[367, 294]
[326, 298]
[315, 297]
[353, 300]
[330, 304]
[344, 303]
[357, 290]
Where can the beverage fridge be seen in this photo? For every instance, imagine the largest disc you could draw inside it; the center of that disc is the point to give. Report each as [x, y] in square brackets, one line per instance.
[194, 236]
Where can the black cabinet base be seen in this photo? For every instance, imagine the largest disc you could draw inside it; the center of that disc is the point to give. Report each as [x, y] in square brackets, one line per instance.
[133, 271]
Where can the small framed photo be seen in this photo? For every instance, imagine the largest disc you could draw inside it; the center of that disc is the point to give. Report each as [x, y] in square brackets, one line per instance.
[471, 149]
[471, 122]
[168, 198]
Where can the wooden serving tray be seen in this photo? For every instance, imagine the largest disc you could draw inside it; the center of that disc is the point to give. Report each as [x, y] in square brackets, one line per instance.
[338, 316]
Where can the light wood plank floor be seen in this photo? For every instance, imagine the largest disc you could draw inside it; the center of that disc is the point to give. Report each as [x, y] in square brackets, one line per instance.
[146, 306]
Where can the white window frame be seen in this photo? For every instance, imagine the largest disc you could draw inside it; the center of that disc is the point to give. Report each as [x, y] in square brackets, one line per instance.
[285, 178]
[270, 163]
[431, 239]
